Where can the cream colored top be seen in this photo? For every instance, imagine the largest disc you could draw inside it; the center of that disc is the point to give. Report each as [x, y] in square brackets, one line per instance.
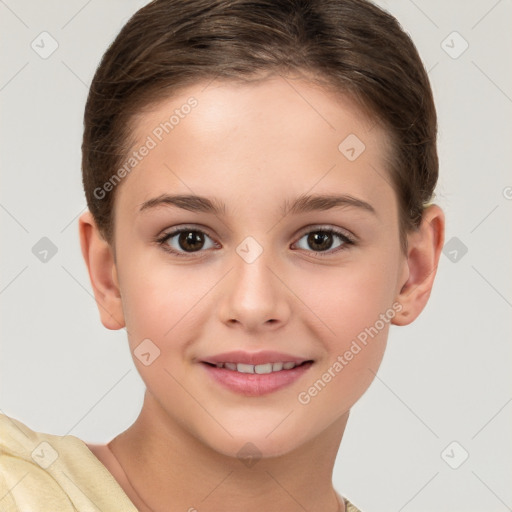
[48, 473]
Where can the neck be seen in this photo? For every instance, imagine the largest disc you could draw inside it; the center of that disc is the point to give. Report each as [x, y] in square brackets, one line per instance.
[167, 468]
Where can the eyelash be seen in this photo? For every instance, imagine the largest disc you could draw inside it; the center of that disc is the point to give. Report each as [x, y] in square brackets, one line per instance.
[347, 241]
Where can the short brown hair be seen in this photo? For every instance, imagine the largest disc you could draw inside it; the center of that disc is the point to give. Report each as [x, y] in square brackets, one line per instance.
[351, 46]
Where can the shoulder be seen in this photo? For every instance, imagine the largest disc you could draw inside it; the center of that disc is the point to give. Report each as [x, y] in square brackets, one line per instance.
[59, 471]
[24, 459]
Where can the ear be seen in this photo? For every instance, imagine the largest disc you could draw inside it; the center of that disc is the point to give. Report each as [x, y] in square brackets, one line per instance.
[100, 261]
[423, 252]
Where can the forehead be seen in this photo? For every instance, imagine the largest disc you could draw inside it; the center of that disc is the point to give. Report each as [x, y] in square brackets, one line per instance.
[265, 140]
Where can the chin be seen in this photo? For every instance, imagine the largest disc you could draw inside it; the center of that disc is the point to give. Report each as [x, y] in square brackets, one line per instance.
[249, 452]
[253, 444]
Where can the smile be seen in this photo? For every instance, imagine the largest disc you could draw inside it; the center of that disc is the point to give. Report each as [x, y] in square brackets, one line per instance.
[257, 368]
[256, 380]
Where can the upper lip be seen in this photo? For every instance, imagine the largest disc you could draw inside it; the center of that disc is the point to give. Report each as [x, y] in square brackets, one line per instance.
[255, 358]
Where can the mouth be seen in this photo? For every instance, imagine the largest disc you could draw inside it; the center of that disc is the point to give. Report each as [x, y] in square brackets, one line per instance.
[260, 369]
[253, 380]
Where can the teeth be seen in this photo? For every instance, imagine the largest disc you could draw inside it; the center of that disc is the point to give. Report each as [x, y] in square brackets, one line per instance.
[263, 368]
[245, 368]
[258, 368]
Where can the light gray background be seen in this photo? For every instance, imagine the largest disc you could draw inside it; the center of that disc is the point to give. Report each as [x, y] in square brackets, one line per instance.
[445, 378]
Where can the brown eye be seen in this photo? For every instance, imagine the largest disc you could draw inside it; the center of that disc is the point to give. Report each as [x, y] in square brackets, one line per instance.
[322, 240]
[190, 241]
[184, 241]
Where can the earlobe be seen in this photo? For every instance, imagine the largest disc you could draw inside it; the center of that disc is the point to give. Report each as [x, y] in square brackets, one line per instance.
[99, 258]
[424, 249]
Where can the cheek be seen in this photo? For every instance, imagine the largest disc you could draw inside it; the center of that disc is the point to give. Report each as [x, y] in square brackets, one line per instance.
[356, 311]
[345, 301]
[164, 302]
[353, 309]
[160, 307]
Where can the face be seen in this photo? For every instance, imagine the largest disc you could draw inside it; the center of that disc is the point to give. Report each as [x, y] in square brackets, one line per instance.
[262, 276]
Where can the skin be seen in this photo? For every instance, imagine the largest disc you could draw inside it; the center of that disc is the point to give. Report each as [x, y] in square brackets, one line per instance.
[253, 146]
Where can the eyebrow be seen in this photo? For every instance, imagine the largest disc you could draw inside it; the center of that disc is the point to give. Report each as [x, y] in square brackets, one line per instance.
[303, 204]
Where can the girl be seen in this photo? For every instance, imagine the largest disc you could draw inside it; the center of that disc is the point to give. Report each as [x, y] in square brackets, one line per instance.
[258, 176]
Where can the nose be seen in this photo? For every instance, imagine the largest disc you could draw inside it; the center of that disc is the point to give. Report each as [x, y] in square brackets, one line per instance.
[254, 296]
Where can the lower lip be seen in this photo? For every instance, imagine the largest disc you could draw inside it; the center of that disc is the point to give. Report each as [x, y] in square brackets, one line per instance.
[255, 384]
